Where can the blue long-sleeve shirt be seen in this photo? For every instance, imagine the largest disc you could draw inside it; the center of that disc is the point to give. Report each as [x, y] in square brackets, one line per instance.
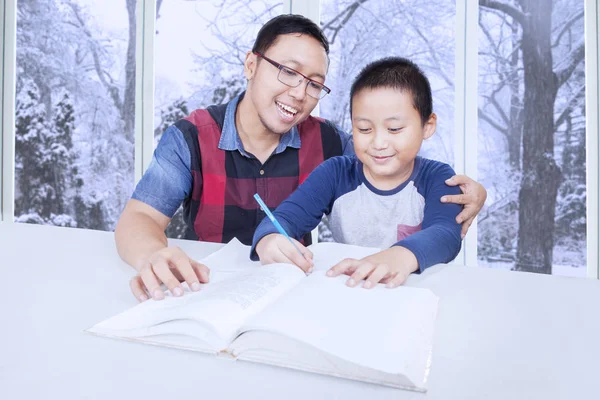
[410, 215]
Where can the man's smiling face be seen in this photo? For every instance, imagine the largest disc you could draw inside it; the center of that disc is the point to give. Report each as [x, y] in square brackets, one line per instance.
[279, 106]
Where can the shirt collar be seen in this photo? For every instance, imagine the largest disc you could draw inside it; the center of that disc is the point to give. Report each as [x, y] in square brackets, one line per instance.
[231, 141]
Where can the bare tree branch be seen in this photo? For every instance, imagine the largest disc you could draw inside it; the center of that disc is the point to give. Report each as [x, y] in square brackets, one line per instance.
[496, 45]
[102, 74]
[572, 101]
[259, 17]
[433, 53]
[237, 47]
[497, 206]
[573, 59]
[488, 36]
[565, 28]
[490, 121]
[514, 12]
[347, 13]
[497, 105]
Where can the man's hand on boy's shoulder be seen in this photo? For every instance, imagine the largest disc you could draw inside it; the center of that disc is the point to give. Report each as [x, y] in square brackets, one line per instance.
[391, 267]
[473, 198]
[169, 266]
[276, 248]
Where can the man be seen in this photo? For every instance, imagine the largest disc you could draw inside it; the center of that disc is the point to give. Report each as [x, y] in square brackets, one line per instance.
[263, 141]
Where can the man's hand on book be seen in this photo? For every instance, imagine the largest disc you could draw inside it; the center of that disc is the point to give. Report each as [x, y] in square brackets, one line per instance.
[171, 266]
[276, 248]
[391, 267]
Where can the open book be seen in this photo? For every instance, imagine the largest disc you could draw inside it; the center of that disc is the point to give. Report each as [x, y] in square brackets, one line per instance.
[277, 315]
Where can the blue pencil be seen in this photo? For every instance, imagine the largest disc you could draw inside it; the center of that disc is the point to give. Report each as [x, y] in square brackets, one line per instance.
[275, 222]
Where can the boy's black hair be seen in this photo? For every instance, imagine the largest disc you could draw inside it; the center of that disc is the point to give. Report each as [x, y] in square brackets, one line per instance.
[396, 73]
[284, 24]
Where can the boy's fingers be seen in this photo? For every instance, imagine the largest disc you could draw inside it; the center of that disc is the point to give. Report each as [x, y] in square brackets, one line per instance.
[291, 253]
[305, 250]
[297, 259]
[137, 288]
[376, 276]
[342, 267]
[202, 271]
[164, 273]
[308, 256]
[363, 270]
[151, 282]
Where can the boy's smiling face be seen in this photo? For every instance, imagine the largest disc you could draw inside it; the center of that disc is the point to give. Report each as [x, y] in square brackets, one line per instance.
[387, 133]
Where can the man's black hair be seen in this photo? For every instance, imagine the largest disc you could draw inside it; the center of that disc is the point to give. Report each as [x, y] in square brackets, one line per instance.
[285, 24]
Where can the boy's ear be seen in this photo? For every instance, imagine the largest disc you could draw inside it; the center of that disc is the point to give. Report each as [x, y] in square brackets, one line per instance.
[430, 125]
[250, 65]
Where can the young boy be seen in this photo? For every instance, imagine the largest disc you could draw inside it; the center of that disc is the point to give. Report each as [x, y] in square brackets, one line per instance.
[385, 196]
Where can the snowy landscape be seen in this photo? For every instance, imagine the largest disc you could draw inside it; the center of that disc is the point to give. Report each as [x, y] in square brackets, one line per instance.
[75, 105]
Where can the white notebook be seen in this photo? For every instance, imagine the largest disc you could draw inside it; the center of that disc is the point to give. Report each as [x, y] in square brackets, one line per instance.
[277, 315]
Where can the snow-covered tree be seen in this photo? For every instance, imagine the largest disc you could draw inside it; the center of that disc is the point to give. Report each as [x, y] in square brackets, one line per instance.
[532, 88]
[62, 48]
[44, 159]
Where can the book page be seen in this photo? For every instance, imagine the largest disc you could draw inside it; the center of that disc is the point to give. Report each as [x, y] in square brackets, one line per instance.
[235, 293]
[327, 254]
[390, 330]
[275, 349]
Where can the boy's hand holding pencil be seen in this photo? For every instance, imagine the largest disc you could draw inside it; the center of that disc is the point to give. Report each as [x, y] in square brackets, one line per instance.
[276, 248]
[281, 248]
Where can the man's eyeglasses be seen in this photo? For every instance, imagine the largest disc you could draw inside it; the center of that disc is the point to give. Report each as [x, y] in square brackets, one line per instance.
[293, 78]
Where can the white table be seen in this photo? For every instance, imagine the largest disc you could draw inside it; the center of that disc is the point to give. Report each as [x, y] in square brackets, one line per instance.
[499, 335]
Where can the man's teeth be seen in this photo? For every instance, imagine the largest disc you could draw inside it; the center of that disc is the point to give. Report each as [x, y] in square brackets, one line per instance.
[288, 109]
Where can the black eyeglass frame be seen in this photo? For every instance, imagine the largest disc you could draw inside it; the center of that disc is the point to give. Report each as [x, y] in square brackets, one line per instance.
[324, 89]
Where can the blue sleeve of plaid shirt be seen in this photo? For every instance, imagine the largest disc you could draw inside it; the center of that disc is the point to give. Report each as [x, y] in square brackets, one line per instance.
[347, 142]
[168, 180]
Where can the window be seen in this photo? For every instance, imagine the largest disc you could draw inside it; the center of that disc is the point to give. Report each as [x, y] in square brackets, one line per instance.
[74, 112]
[532, 148]
[75, 108]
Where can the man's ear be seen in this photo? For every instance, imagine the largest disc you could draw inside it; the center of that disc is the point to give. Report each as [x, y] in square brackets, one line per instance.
[430, 126]
[250, 65]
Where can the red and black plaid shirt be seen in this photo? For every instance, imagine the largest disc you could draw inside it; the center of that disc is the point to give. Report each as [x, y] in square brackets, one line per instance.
[221, 205]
